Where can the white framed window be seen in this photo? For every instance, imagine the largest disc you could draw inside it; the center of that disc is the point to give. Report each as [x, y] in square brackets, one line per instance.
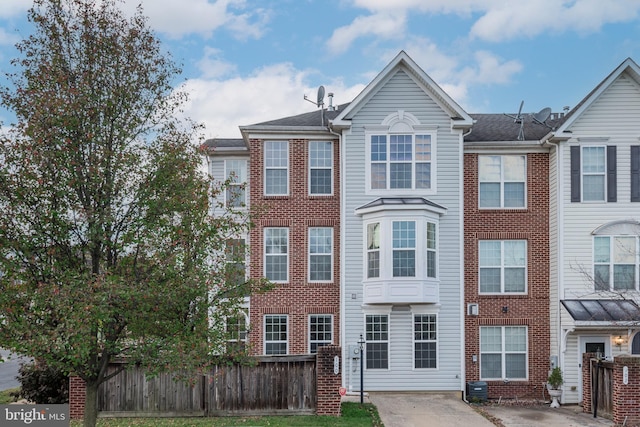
[502, 181]
[320, 168]
[503, 352]
[400, 161]
[236, 257]
[235, 193]
[276, 336]
[425, 342]
[404, 248]
[503, 266]
[401, 248]
[373, 250]
[276, 168]
[377, 341]
[320, 331]
[237, 332]
[615, 263]
[593, 173]
[276, 253]
[320, 254]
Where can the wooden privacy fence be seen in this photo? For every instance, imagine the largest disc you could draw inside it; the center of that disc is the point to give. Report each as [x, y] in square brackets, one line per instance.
[275, 384]
[602, 387]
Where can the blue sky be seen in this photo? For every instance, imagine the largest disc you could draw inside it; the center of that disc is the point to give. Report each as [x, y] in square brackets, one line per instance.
[247, 61]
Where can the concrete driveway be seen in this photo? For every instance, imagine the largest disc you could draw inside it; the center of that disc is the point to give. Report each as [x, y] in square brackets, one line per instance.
[426, 409]
[448, 410]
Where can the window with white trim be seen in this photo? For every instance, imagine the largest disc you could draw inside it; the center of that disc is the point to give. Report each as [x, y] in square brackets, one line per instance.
[235, 194]
[320, 331]
[276, 334]
[276, 168]
[377, 341]
[593, 173]
[400, 161]
[320, 168]
[502, 181]
[276, 253]
[615, 265]
[425, 341]
[503, 266]
[236, 332]
[397, 248]
[320, 254]
[503, 352]
[235, 268]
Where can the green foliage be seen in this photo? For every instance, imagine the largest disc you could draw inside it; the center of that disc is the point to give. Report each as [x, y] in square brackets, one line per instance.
[42, 384]
[9, 396]
[107, 243]
[555, 378]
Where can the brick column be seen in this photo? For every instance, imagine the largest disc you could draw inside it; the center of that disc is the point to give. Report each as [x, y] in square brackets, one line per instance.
[586, 382]
[626, 397]
[77, 394]
[328, 382]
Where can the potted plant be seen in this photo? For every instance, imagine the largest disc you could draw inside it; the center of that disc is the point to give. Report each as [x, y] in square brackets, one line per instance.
[553, 385]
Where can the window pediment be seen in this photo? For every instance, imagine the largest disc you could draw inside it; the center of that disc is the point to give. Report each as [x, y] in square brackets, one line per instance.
[618, 228]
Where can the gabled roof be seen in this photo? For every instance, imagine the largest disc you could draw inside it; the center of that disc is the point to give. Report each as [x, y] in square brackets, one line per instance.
[403, 61]
[627, 66]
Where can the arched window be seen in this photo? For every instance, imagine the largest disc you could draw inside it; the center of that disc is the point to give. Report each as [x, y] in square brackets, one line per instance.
[635, 344]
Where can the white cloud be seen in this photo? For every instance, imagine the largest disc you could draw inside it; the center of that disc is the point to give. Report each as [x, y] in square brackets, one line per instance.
[271, 92]
[178, 18]
[211, 66]
[11, 8]
[383, 25]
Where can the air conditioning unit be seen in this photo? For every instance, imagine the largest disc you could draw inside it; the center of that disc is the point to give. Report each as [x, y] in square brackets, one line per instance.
[472, 309]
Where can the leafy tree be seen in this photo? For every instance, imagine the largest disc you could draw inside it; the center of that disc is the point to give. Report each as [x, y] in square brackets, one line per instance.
[108, 245]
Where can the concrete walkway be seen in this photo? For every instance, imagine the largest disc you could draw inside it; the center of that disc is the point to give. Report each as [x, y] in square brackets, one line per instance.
[448, 410]
[426, 409]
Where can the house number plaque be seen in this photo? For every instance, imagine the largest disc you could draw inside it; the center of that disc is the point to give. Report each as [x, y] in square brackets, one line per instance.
[336, 365]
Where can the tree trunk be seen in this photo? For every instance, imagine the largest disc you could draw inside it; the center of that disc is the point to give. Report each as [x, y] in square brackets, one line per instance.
[91, 404]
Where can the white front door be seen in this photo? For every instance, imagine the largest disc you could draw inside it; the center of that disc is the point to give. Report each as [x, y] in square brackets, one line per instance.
[600, 344]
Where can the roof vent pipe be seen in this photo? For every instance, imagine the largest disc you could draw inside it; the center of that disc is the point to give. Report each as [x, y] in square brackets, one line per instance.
[330, 107]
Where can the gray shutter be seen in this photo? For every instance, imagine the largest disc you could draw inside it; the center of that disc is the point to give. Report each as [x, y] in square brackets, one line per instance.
[575, 173]
[635, 175]
[612, 179]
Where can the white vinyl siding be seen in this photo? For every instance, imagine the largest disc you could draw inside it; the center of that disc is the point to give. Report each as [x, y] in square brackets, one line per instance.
[502, 181]
[276, 168]
[403, 92]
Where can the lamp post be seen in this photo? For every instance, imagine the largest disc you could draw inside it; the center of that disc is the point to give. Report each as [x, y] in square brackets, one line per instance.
[361, 342]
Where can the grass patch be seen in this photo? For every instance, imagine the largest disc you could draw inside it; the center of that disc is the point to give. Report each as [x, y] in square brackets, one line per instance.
[6, 397]
[353, 415]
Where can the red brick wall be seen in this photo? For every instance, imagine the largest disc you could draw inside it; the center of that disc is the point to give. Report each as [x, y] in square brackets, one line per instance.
[586, 381]
[77, 395]
[626, 397]
[531, 310]
[298, 211]
[328, 382]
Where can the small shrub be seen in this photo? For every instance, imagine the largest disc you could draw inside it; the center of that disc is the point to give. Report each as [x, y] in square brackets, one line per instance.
[42, 384]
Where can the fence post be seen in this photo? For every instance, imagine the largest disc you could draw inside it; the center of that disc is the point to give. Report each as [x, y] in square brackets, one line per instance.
[586, 382]
[328, 381]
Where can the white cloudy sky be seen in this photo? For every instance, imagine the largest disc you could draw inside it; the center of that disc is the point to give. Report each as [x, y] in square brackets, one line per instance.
[247, 61]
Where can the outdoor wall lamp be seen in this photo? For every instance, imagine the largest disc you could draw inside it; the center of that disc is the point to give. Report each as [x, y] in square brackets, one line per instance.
[618, 340]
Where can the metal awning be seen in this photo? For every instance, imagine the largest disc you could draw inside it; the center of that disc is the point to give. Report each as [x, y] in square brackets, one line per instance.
[602, 310]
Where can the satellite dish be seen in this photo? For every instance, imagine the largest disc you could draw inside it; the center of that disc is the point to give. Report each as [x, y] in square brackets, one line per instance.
[320, 99]
[542, 116]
